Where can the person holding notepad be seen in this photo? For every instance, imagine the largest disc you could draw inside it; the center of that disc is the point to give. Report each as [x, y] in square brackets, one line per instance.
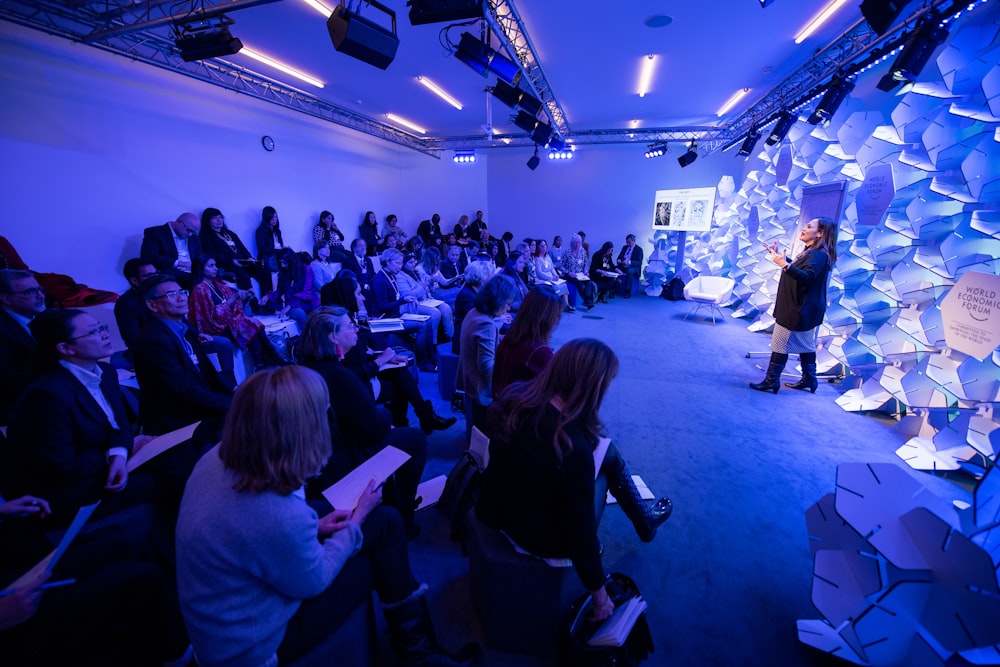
[387, 300]
[411, 284]
[262, 579]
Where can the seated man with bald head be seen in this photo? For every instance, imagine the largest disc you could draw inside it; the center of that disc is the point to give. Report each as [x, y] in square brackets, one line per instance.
[172, 247]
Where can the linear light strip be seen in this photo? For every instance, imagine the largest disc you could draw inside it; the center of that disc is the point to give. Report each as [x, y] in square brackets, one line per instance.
[405, 123]
[819, 20]
[270, 62]
[646, 74]
[319, 7]
[434, 88]
[731, 102]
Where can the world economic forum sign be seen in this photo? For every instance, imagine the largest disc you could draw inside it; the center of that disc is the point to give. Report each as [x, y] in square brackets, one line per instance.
[971, 314]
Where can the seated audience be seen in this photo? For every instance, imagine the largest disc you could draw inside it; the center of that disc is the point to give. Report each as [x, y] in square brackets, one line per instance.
[462, 231]
[503, 248]
[414, 245]
[576, 271]
[21, 299]
[514, 269]
[172, 247]
[630, 263]
[411, 283]
[480, 335]
[327, 233]
[390, 241]
[476, 228]
[178, 384]
[556, 250]
[130, 311]
[431, 269]
[539, 486]
[525, 350]
[392, 227]
[222, 243]
[430, 231]
[269, 243]
[368, 231]
[527, 248]
[360, 264]
[376, 363]
[603, 272]
[261, 577]
[217, 309]
[386, 302]
[546, 272]
[323, 271]
[476, 275]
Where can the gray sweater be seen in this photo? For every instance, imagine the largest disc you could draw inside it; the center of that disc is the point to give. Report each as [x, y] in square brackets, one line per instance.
[245, 562]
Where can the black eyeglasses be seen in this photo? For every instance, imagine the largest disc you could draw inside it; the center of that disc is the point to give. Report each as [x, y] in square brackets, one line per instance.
[31, 291]
[101, 329]
[173, 294]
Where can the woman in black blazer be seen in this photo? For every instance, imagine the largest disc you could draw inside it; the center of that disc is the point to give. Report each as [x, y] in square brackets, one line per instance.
[231, 255]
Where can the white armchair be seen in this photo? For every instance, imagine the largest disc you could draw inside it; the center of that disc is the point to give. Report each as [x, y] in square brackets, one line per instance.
[708, 291]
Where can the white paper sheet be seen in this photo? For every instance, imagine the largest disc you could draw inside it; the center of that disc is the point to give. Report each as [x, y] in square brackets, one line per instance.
[344, 494]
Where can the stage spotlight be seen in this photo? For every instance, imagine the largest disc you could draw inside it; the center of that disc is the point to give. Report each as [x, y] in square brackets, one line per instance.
[357, 37]
[515, 97]
[838, 89]
[423, 12]
[880, 14]
[656, 150]
[557, 142]
[533, 160]
[688, 157]
[483, 58]
[203, 43]
[919, 48]
[785, 122]
[464, 157]
[536, 129]
[561, 154]
[753, 136]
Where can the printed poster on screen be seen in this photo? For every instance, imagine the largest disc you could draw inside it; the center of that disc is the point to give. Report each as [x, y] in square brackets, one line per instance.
[684, 210]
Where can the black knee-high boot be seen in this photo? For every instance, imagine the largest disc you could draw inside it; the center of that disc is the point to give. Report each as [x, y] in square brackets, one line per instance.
[772, 380]
[808, 362]
[645, 518]
[412, 636]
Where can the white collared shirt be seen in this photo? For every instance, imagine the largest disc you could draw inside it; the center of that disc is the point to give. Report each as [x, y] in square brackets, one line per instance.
[91, 380]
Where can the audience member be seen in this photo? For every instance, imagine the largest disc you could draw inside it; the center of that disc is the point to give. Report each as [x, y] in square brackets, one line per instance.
[322, 270]
[368, 230]
[430, 231]
[539, 487]
[172, 247]
[546, 272]
[269, 242]
[480, 335]
[603, 272]
[178, 385]
[556, 250]
[261, 577]
[414, 245]
[576, 271]
[514, 269]
[525, 350]
[438, 286]
[222, 243]
[503, 248]
[630, 263]
[21, 299]
[527, 248]
[476, 228]
[583, 241]
[463, 231]
[360, 264]
[390, 241]
[411, 283]
[476, 275]
[327, 232]
[391, 226]
[386, 301]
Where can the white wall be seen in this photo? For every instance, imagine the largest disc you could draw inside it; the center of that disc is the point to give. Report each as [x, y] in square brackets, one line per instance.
[96, 147]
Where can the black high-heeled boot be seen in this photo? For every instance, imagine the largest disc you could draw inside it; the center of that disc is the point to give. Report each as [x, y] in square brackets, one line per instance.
[412, 636]
[431, 421]
[645, 518]
[772, 381]
[808, 362]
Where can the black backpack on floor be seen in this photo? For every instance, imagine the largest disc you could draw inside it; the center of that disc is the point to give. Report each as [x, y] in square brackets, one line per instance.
[673, 290]
[460, 494]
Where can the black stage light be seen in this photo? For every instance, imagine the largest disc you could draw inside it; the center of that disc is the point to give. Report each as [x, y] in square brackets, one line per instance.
[533, 160]
[688, 157]
[881, 14]
[838, 89]
[483, 58]
[516, 98]
[781, 128]
[356, 36]
[656, 150]
[919, 48]
[439, 11]
[199, 46]
[556, 142]
[753, 136]
[536, 129]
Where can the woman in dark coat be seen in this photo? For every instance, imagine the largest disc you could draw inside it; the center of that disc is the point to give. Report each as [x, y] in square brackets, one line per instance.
[222, 243]
[800, 304]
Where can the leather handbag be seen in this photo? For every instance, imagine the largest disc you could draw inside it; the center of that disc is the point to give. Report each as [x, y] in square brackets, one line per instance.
[578, 652]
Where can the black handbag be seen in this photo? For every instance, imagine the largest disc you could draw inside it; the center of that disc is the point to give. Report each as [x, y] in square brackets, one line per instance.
[637, 647]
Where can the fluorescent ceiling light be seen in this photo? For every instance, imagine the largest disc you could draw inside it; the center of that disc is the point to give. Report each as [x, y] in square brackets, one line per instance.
[434, 88]
[405, 123]
[319, 7]
[731, 102]
[280, 67]
[646, 74]
[819, 20]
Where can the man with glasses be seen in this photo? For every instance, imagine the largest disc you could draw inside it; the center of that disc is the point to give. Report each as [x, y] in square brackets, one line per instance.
[178, 384]
[172, 247]
[20, 300]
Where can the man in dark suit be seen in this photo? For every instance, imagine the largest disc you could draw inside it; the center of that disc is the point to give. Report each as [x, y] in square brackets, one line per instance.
[20, 300]
[430, 231]
[130, 311]
[630, 262]
[173, 247]
[178, 384]
[361, 265]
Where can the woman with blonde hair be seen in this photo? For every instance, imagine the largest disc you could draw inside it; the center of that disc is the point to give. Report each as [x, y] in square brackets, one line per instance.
[261, 578]
[539, 488]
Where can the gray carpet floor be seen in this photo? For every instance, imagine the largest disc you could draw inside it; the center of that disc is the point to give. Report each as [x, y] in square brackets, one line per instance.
[728, 576]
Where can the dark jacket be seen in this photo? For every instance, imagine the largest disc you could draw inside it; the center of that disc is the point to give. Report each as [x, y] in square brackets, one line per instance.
[800, 303]
[130, 315]
[17, 349]
[635, 261]
[159, 250]
[362, 424]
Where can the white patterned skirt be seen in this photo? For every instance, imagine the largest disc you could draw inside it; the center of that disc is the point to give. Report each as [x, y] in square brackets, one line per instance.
[786, 341]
